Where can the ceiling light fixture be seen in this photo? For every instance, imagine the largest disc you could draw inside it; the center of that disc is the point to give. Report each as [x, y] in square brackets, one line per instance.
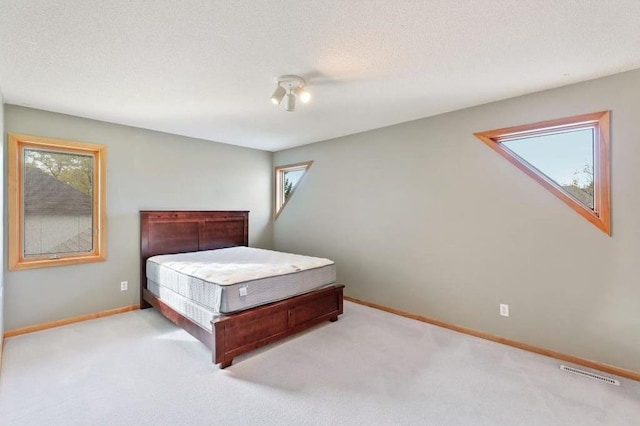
[294, 87]
[278, 94]
[291, 103]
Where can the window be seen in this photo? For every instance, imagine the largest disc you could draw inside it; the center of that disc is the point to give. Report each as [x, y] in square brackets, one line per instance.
[287, 180]
[56, 202]
[568, 156]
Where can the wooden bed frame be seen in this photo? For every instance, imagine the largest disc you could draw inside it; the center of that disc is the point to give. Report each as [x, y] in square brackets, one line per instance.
[167, 232]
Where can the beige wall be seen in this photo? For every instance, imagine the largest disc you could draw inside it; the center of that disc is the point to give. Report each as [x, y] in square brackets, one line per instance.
[424, 217]
[145, 170]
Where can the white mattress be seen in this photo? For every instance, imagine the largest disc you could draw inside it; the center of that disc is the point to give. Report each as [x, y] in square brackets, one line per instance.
[195, 312]
[237, 278]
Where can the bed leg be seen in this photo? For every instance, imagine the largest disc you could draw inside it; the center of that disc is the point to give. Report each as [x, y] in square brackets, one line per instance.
[225, 364]
[333, 319]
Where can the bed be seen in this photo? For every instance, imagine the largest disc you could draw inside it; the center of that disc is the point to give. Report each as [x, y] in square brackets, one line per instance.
[230, 333]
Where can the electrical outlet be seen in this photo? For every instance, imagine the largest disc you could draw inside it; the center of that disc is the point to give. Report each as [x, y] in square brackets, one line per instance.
[124, 285]
[504, 310]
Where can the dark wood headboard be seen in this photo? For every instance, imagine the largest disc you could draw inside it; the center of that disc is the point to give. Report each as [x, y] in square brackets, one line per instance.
[180, 231]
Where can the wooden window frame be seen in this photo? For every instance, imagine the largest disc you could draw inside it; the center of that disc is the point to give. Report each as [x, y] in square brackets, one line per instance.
[16, 145]
[600, 216]
[280, 202]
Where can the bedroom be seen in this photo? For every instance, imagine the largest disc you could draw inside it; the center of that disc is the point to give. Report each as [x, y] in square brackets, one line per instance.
[417, 202]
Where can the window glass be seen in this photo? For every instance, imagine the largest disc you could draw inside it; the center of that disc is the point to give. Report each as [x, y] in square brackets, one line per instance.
[291, 179]
[565, 157]
[58, 203]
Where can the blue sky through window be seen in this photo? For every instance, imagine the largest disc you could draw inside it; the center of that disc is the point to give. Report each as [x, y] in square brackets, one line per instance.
[563, 157]
[294, 176]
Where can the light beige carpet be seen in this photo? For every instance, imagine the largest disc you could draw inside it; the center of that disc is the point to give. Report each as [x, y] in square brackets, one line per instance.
[369, 368]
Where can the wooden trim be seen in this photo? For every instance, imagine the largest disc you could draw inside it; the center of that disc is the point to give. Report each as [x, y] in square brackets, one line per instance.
[602, 179]
[16, 214]
[279, 173]
[546, 125]
[15, 201]
[67, 321]
[100, 203]
[610, 369]
[600, 216]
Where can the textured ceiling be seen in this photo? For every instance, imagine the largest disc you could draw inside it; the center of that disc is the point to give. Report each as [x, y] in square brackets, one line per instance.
[206, 69]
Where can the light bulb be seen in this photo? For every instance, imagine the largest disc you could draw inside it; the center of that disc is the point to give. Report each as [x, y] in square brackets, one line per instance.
[302, 94]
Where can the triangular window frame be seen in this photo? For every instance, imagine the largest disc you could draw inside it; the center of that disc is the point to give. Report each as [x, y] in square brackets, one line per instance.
[280, 171]
[600, 215]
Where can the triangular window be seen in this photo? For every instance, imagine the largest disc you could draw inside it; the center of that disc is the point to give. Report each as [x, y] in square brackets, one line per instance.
[287, 179]
[569, 157]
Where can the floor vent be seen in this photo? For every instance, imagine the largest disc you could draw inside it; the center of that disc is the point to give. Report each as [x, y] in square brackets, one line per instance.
[590, 375]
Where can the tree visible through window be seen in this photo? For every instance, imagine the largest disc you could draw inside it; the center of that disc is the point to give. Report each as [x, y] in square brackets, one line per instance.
[569, 157]
[58, 194]
[57, 202]
[291, 179]
[287, 179]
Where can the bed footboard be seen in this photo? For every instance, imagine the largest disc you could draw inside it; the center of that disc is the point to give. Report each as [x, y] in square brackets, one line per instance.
[242, 332]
